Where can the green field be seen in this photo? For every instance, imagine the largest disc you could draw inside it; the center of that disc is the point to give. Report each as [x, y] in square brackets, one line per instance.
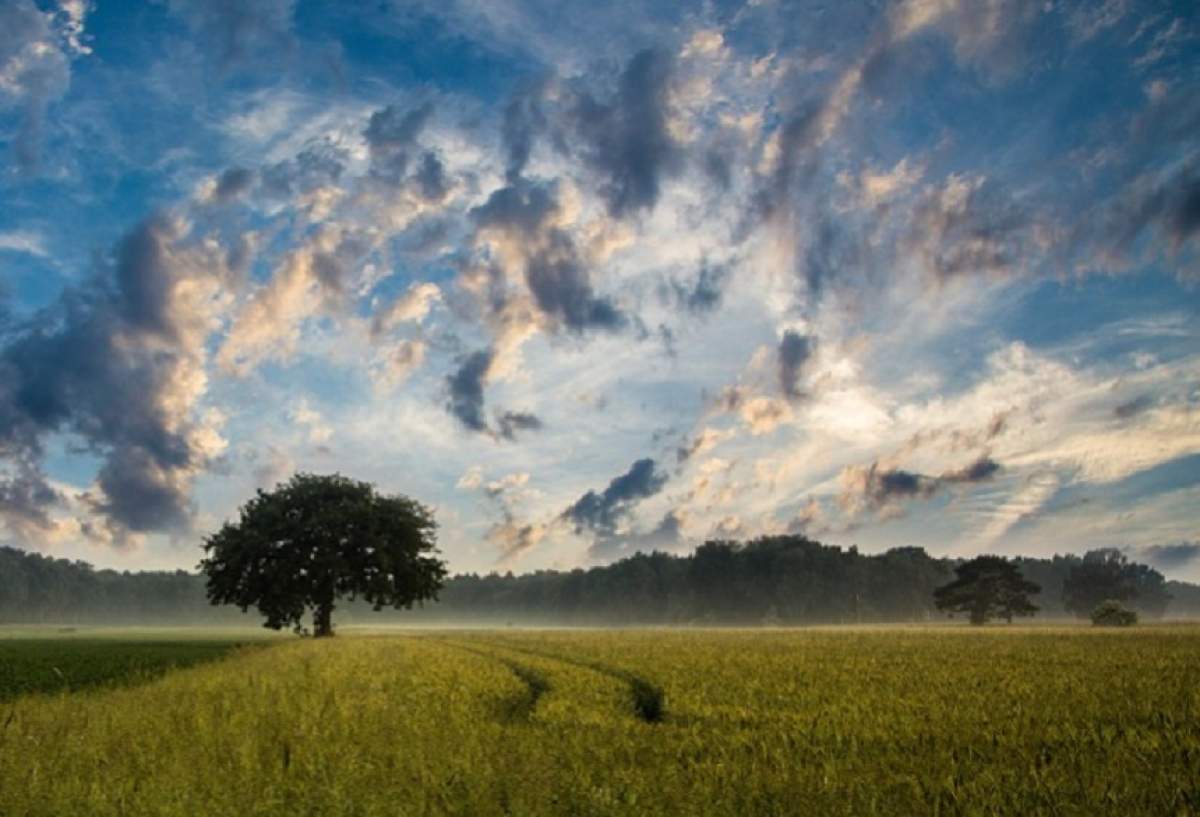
[38, 663]
[888, 721]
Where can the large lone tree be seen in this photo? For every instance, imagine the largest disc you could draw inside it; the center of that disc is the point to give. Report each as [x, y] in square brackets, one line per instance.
[316, 539]
[987, 587]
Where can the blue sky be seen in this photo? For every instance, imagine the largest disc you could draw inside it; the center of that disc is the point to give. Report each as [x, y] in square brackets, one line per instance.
[596, 278]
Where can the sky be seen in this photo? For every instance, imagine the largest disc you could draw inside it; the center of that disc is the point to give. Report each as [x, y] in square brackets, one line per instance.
[594, 278]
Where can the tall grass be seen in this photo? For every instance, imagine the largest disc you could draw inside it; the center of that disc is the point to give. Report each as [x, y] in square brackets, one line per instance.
[947, 721]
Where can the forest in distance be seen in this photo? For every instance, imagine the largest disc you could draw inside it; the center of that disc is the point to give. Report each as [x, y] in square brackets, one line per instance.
[776, 580]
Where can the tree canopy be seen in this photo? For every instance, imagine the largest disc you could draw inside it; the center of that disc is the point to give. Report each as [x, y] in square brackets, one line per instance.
[988, 587]
[1107, 574]
[316, 539]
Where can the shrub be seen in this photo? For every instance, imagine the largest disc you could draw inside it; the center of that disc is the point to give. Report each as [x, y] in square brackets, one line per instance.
[1113, 613]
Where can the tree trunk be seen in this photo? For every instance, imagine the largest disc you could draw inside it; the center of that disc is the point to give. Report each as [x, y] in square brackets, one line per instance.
[323, 620]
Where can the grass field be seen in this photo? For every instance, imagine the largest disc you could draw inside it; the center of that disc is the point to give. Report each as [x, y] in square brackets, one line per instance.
[889, 721]
[37, 662]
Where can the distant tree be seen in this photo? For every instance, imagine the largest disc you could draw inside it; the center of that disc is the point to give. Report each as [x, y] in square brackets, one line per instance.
[1112, 613]
[987, 587]
[316, 539]
[1107, 574]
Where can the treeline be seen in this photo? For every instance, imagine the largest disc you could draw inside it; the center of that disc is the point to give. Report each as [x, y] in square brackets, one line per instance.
[771, 580]
[38, 589]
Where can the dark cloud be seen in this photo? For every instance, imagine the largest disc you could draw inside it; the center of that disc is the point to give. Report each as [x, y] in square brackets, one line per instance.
[430, 178]
[795, 350]
[25, 500]
[561, 286]
[555, 272]
[982, 469]
[601, 512]
[666, 534]
[391, 135]
[798, 137]
[523, 120]
[106, 364]
[832, 253]
[510, 422]
[701, 295]
[970, 226]
[318, 165]
[232, 183]
[524, 207]
[134, 491]
[144, 278]
[1171, 557]
[1134, 407]
[886, 484]
[1166, 206]
[626, 140]
[878, 489]
[466, 390]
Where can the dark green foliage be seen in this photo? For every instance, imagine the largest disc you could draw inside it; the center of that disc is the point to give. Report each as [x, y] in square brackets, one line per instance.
[30, 665]
[1112, 613]
[988, 587]
[316, 539]
[1107, 574]
[783, 580]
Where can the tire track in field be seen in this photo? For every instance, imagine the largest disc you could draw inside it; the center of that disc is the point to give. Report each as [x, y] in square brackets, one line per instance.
[649, 701]
[536, 685]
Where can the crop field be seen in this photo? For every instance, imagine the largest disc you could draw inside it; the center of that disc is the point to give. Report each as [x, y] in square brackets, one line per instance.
[888, 721]
[58, 664]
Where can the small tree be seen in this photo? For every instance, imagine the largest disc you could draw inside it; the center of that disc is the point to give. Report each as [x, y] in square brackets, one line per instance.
[1112, 613]
[987, 587]
[315, 539]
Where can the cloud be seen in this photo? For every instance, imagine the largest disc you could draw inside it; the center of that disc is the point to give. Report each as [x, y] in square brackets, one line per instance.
[666, 534]
[400, 360]
[120, 364]
[1134, 407]
[313, 278]
[703, 295]
[310, 419]
[241, 34]
[510, 422]
[232, 183]
[1165, 205]
[880, 489]
[524, 226]
[602, 512]
[465, 386]
[627, 140]
[430, 177]
[316, 167]
[411, 307]
[703, 442]
[969, 226]
[24, 241]
[876, 187]
[26, 499]
[795, 350]
[466, 392]
[35, 71]
[1171, 557]
[513, 539]
[981, 469]
[391, 136]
